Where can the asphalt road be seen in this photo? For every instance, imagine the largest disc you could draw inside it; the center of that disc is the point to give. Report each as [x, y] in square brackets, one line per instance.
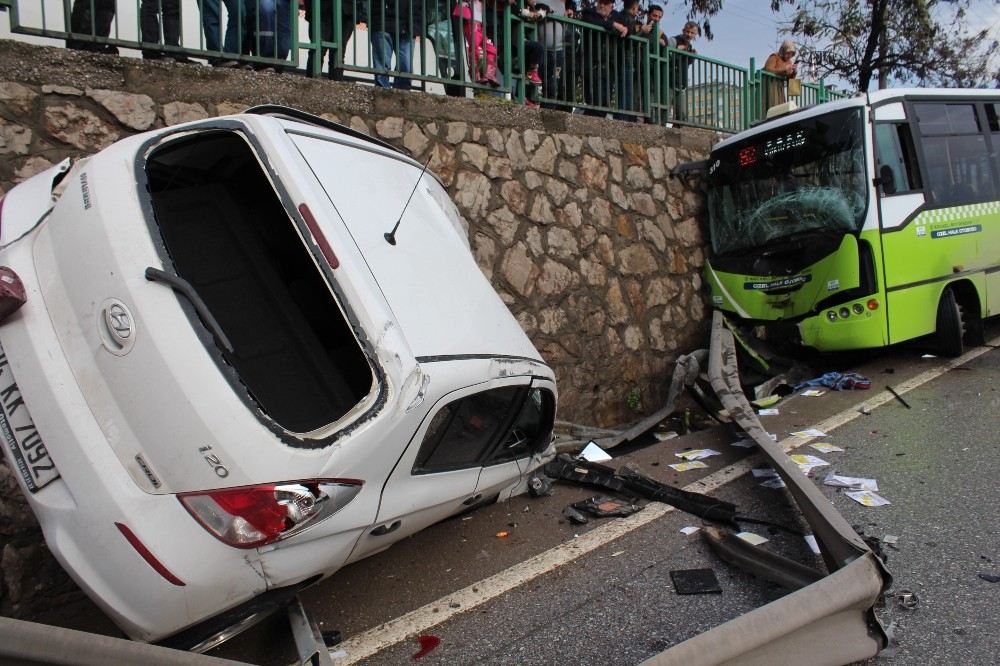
[936, 462]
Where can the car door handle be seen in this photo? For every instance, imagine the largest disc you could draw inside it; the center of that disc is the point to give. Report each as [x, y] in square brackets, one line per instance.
[382, 530]
[469, 501]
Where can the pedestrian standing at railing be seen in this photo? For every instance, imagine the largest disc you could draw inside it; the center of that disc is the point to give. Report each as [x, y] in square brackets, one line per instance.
[552, 37]
[92, 17]
[781, 64]
[271, 28]
[150, 12]
[627, 59]
[596, 54]
[394, 24]
[679, 64]
[211, 23]
[651, 29]
[534, 53]
[352, 13]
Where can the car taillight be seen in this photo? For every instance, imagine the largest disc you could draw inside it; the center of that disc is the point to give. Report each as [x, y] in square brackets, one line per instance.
[256, 515]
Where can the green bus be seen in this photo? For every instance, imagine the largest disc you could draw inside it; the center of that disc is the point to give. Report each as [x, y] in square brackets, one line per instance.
[861, 222]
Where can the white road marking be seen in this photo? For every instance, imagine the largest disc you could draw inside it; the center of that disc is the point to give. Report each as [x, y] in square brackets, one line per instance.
[418, 621]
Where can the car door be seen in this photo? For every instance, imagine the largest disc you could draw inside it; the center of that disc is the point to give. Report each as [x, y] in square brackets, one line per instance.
[437, 475]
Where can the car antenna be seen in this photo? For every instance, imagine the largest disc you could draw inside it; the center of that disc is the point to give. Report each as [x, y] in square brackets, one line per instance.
[390, 237]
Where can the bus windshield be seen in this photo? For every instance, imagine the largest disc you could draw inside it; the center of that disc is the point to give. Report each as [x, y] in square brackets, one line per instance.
[796, 181]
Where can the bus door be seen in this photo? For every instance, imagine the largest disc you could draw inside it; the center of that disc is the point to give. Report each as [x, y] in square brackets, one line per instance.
[900, 196]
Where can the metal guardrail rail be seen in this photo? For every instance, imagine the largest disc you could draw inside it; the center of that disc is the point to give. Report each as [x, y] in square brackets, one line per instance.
[458, 47]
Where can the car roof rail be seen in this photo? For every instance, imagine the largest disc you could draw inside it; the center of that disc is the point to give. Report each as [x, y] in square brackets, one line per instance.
[279, 111]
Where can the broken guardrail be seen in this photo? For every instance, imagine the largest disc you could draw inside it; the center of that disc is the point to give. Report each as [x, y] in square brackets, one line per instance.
[830, 621]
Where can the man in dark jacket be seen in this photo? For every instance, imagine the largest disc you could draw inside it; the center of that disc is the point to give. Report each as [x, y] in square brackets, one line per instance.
[597, 47]
[679, 63]
[352, 12]
[394, 24]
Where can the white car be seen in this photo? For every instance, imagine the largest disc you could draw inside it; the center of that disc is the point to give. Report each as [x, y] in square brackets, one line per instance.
[229, 377]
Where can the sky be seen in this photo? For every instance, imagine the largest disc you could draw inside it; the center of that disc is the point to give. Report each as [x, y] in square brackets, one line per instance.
[748, 28]
[743, 29]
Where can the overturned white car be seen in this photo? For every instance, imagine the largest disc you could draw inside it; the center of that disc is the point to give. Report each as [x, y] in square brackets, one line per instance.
[227, 378]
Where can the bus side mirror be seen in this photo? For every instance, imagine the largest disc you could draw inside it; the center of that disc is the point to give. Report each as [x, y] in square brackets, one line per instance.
[886, 179]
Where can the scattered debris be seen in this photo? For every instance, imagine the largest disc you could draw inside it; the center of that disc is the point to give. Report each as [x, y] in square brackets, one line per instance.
[752, 538]
[689, 530]
[808, 463]
[759, 562]
[697, 454]
[627, 480]
[617, 553]
[867, 498]
[502, 535]
[769, 401]
[539, 485]
[928, 356]
[664, 436]
[775, 484]
[812, 393]
[990, 578]
[574, 516]
[824, 447]
[427, 645]
[687, 466]
[850, 482]
[898, 397]
[890, 540]
[812, 543]
[811, 432]
[602, 506]
[907, 598]
[764, 472]
[745, 443]
[771, 411]
[594, 453]
[695, 581]
[838, 381]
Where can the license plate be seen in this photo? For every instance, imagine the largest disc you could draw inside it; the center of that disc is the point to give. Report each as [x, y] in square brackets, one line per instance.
[27, 450]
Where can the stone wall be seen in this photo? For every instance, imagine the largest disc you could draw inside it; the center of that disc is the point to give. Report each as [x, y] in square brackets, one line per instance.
[595, 249]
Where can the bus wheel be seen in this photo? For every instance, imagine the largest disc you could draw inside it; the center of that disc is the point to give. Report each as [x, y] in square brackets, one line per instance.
[950, 325]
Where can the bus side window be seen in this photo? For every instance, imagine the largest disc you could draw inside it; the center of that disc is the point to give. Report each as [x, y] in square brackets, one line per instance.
[897, 165]
[959, 167]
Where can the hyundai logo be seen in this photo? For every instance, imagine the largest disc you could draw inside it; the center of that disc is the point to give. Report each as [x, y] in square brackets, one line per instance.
[119, 321]
[117, 327]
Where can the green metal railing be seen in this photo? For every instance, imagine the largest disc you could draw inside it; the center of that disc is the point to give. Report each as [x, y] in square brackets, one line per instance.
[483, 47]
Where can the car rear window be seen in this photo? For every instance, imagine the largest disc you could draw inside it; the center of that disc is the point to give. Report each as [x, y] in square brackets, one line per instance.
[230, 237]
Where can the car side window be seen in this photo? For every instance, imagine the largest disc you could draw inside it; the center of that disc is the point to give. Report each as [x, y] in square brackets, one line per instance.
[462, 431]
[489, 427]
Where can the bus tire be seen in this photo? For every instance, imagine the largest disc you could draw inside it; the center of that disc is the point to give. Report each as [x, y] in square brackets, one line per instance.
[950, 329]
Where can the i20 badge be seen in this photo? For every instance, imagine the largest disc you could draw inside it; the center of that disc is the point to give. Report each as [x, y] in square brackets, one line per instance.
[116, 327]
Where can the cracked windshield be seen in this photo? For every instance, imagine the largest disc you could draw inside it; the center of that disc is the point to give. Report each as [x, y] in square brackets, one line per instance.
[792, 183]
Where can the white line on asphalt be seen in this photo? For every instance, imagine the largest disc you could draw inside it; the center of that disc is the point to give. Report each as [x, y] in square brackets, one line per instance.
[418, 621]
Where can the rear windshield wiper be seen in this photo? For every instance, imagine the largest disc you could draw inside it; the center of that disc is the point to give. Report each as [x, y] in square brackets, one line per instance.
[184, 287]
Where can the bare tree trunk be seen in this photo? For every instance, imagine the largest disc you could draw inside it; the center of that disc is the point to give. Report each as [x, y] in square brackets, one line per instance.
[875, 35]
